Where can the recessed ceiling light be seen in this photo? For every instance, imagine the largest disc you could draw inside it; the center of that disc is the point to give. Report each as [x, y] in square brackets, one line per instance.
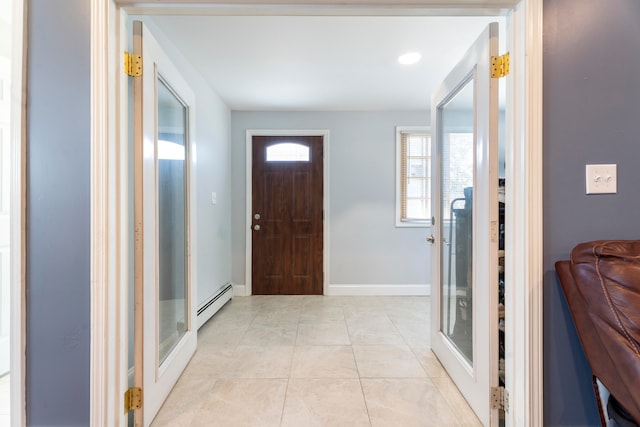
[409, 58]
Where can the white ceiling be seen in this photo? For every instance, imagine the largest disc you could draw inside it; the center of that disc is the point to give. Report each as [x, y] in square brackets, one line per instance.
[322, 63]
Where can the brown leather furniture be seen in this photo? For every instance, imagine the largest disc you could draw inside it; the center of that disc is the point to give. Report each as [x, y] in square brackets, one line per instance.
[601, 283]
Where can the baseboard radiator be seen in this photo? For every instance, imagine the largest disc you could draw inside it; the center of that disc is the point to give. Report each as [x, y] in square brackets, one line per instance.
[210, 307]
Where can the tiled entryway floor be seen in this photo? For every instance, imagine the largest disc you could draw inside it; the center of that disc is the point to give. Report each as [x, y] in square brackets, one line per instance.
[316, 361]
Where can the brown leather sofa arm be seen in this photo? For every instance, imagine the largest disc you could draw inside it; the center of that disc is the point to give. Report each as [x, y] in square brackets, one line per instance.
[601, 284]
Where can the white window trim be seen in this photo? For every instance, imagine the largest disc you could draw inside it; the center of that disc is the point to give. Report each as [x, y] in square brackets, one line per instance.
[399, 131]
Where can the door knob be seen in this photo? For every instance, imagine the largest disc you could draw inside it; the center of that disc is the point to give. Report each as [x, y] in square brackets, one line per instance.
[431, 239]
[256, 227]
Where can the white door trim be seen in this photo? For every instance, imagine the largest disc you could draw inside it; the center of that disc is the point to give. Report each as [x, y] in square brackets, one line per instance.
[249, 193]
[109, 221]
[525, 194]
[17, 247]
[524, 268]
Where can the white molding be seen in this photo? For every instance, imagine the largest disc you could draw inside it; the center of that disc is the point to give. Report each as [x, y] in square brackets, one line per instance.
[379, 290]
[240, 290]
[315, 8]
[534, 239]
[17, 249]
[523, 268]
[250, 133]
[99, 202]
[109, 219]
[361, 290]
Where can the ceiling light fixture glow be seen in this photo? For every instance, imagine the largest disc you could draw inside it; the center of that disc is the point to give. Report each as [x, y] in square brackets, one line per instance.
[409, 58]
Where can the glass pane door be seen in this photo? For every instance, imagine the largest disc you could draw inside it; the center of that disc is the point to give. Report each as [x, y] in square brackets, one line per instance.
[456, 284]
[165, 336]
[172, 220]
[464, 306]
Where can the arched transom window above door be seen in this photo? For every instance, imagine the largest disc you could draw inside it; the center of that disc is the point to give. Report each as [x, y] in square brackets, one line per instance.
[288, 152]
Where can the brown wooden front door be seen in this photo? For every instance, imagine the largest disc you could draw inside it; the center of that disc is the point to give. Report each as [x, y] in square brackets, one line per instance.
[287, 217]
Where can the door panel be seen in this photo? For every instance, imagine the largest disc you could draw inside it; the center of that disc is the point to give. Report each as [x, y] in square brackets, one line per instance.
[287, 203]
[164, 218]
[465, 253]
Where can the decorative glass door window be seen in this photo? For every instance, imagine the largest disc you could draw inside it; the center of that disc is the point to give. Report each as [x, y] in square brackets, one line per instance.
[288, 152]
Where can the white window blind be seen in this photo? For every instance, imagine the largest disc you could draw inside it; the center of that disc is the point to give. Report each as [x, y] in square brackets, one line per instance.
[414, 177]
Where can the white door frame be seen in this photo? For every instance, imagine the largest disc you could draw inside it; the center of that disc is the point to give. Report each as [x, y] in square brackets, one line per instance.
[109, 218]
[249, 201]
[18, 188]
[109, 240]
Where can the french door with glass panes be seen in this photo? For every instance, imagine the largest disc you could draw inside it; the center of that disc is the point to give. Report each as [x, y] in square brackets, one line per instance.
[465, 205]
[164, 225]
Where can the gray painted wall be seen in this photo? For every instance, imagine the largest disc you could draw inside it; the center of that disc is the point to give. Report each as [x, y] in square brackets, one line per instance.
[58, 157]
[591, 112]
[365, 246]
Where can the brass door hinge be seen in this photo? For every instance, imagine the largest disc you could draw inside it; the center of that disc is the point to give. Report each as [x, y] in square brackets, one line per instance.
[500, 66]
[500, 398]
[132, 399]
[132, 64]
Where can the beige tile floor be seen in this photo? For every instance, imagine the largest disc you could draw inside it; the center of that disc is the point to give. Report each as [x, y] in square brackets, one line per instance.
[316, 361]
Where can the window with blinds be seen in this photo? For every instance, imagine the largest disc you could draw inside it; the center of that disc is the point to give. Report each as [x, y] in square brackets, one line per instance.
[414, 177]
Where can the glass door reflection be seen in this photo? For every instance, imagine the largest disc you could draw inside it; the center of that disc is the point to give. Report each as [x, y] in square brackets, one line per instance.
[172, 214]
[456, 287]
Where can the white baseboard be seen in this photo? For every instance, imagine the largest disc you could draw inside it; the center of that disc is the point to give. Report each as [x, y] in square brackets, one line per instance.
[240, 290]
[379, 290]
[362, 290]
[207, 309]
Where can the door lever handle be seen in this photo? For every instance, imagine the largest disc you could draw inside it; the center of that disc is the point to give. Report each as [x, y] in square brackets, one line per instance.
[431, 239]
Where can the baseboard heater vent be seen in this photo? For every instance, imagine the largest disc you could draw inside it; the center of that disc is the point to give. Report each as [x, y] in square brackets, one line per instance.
[213, 304]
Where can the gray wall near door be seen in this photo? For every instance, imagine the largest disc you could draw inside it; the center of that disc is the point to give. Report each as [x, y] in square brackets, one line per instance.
[591, 112]
[365, 246]
[58, 245]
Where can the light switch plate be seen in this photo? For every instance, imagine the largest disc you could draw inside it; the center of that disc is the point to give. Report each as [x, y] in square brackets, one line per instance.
[602, 179]
[214, 198]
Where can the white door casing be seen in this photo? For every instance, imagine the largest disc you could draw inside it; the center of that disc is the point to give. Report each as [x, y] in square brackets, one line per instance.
[17, 194]
[474, 371]
[523, 194]
[523, 222]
